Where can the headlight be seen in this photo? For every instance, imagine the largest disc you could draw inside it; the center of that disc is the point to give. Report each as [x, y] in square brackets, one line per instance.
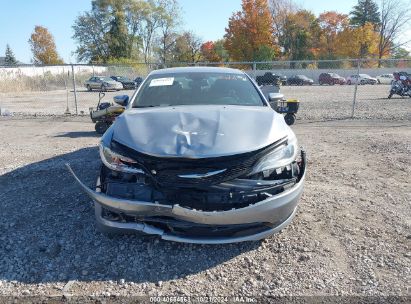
[117, 162]
[280, 157]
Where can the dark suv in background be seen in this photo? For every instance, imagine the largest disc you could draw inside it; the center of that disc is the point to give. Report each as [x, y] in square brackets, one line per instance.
[331, 79]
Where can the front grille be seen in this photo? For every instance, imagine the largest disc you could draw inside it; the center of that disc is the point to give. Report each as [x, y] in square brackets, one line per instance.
[165, 171]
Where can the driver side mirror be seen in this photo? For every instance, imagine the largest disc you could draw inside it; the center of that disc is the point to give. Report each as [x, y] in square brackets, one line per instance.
[121, 100]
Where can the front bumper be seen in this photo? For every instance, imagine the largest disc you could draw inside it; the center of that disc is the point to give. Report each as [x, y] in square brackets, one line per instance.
[274, 213]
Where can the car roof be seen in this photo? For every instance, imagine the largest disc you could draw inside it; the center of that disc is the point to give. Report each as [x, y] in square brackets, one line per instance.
[197, 70]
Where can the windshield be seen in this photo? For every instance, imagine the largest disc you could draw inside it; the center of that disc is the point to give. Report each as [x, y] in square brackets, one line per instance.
[302, 77]
[197, 88]
[121, 78]
[335, 75]
[105, 78]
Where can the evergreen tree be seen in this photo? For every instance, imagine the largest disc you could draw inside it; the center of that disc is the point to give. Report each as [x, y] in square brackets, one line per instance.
[10, 59]
[366, 11]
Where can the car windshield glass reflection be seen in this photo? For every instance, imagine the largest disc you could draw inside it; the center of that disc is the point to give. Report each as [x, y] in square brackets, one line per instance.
[197, 89]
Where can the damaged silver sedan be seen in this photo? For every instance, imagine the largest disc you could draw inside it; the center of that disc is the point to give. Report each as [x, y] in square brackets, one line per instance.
[199, 156]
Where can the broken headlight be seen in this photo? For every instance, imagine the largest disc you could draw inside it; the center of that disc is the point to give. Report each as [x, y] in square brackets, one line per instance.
[282, 156]
[117, 162]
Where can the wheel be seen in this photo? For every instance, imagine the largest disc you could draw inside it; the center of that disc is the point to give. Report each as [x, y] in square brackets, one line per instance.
[289, 119]
[88, 88]
[389, 96]
[349, 82]
[103, 88]
[101, 127]
[362, 82]
[321, 83]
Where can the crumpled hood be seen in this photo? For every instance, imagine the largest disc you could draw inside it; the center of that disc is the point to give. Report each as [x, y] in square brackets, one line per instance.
[199, 131]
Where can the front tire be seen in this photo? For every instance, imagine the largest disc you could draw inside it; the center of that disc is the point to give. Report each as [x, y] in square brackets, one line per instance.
[289, 119]
[101, 127]
[88, 88]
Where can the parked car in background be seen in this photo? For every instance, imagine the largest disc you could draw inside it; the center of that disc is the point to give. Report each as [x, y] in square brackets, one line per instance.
[330, 79]
[299, 80]
[102, 83]
[270, 78]
[361, 79]
[138, 81]
[127, 83]
[385, 78]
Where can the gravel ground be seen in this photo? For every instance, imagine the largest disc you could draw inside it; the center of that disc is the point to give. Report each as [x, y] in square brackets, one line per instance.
[317, 102]
[351, 235]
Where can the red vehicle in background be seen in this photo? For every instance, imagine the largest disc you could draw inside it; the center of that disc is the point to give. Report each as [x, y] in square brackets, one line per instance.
[330, 79]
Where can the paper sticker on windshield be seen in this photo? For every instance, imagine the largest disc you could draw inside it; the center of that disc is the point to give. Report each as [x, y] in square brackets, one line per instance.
[162, 82]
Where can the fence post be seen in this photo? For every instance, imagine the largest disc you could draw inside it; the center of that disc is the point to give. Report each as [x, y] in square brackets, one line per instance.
[356, 87]
[67, 112]
[74, 87]
[254, 69]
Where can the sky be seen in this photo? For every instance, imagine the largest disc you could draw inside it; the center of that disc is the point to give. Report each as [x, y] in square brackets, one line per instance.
[207, 18]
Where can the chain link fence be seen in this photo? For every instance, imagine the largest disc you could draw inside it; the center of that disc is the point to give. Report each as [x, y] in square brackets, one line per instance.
[334, 89]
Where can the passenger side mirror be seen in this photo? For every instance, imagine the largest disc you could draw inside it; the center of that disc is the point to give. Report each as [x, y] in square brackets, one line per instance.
[121, 100]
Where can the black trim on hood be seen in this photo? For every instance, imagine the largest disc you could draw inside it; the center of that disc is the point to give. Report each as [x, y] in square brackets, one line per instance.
[166, 171]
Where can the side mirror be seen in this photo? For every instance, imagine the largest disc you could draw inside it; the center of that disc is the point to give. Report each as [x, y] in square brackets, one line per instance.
[273, 97]
[121, 100]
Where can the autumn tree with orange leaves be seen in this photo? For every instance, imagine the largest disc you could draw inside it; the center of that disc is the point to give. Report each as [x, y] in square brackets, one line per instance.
[249, 35]
[352, 42]
[43, 47]
[331, 24]
[208, 51]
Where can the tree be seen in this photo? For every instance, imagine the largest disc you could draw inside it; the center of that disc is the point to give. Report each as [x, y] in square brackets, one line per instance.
[248, 30]
[366, 11]
[395, 15]
[279, 10]
[221, 51]
[168, 28]
[358, 42]
[400, 53]
[331, 24]
[187, 48]
[117, 34]
[90, 31]
[116, 29]
[301, 36]
[43, 47]
[209, 53]
[9, 59]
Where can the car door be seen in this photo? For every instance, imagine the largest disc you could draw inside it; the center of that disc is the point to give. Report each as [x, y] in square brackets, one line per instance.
[97, 83]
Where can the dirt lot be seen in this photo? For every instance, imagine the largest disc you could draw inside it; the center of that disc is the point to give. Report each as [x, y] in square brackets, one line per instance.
[351, 235]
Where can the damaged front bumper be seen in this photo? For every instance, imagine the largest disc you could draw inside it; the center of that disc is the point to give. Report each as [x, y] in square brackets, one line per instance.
[253, 222]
